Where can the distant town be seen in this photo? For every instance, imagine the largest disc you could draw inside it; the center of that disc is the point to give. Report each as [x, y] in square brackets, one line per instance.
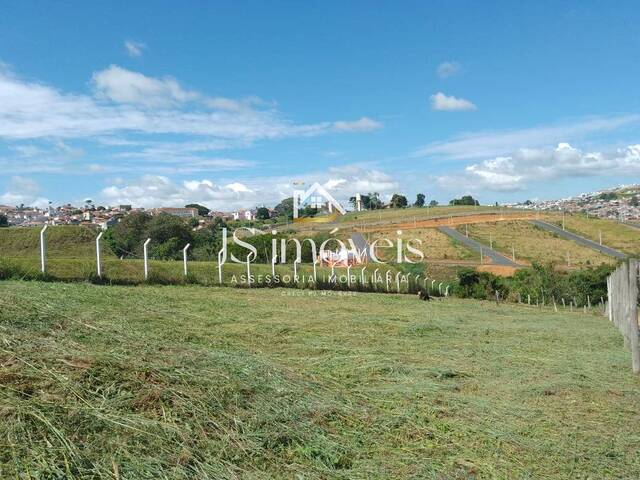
[620, 203]
[104, 217]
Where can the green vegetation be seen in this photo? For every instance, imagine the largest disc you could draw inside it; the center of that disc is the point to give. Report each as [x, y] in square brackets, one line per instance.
[193, 382]
[541, 283]
[4, 221]
[465, 200]
[398, 201]
[202, 210]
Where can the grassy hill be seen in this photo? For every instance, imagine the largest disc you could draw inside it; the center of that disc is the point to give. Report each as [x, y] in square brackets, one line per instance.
[534, 244]
[614, 234]
[64, 241]
[193, 382]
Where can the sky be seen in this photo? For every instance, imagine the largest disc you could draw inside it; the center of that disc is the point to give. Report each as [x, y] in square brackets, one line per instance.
[229, 103]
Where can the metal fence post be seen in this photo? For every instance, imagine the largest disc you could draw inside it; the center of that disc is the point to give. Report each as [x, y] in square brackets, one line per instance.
[184, 258]
[98, 259]
[43, 250]
[146, 259]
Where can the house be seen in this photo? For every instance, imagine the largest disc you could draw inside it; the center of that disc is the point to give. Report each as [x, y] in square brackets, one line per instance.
[244, 215]
[317, 197]
[178, 212]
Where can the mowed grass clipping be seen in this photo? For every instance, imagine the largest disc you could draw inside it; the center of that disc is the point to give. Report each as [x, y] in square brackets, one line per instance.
[203, 382]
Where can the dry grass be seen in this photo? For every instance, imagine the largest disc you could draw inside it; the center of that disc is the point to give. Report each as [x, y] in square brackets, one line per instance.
[615, 235]
[534, 244]
[435, 245]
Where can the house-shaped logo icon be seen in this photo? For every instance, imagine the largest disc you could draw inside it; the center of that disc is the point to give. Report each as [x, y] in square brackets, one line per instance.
[318, 197]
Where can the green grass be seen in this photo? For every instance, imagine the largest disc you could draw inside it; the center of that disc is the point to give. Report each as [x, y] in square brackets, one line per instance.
[65, 241]
[197, 382]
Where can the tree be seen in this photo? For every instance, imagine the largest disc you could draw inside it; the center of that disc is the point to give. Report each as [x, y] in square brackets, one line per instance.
[4, 220]
[433, 203]
[419, 200]
[169, 234]
[465, 200]
[635, 201]
[284, 208]
[398, 201]
[125, 238]
[374, 202]
[202, 210]
[262, 213]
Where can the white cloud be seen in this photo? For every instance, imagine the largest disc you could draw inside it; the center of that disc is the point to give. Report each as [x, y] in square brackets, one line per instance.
[516, 171]
[496, 143]
[134, 49]
[364, 124]
[124, 86]
[23, 190]
[159, 190]
[135, 103]
[440, 101]
[448, 69]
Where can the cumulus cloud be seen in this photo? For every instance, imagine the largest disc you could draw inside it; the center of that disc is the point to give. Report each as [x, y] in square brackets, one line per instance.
[134, 49]
[157, 190]
[160, 190]
[496, 143]
[23, 190]
[124, 86]
[518, 170]
[448, 69]
[440, 101]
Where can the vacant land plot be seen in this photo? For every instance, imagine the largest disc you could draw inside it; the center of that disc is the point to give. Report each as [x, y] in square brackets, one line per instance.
[195, 382]
[533, 244]
[615, 235]
[435, 245]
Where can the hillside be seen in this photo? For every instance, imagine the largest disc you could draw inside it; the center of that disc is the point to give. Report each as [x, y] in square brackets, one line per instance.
[64, 241]
[192, 382]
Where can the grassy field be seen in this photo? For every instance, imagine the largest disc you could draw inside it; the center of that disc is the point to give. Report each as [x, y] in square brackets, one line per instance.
[534, 244]
[195, 382]
[395, 215]
[615, 235]
[435, 245]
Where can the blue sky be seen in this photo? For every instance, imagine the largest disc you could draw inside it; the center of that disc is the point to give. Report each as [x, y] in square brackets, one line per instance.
[228, 103]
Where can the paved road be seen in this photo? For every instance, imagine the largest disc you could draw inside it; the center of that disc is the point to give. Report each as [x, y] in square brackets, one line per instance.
[496, 258]
[361, 243]
[578, 239]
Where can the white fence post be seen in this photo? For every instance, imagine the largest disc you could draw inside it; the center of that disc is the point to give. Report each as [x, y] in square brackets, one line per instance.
[315, 270]
[184, 258]
[295, 270]
[248, 271]
[220, 267]
[398, 281]
[98, 259]
[43, 250]
[274, 259]
[348, 276]
[146, 260]
[362, 276]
